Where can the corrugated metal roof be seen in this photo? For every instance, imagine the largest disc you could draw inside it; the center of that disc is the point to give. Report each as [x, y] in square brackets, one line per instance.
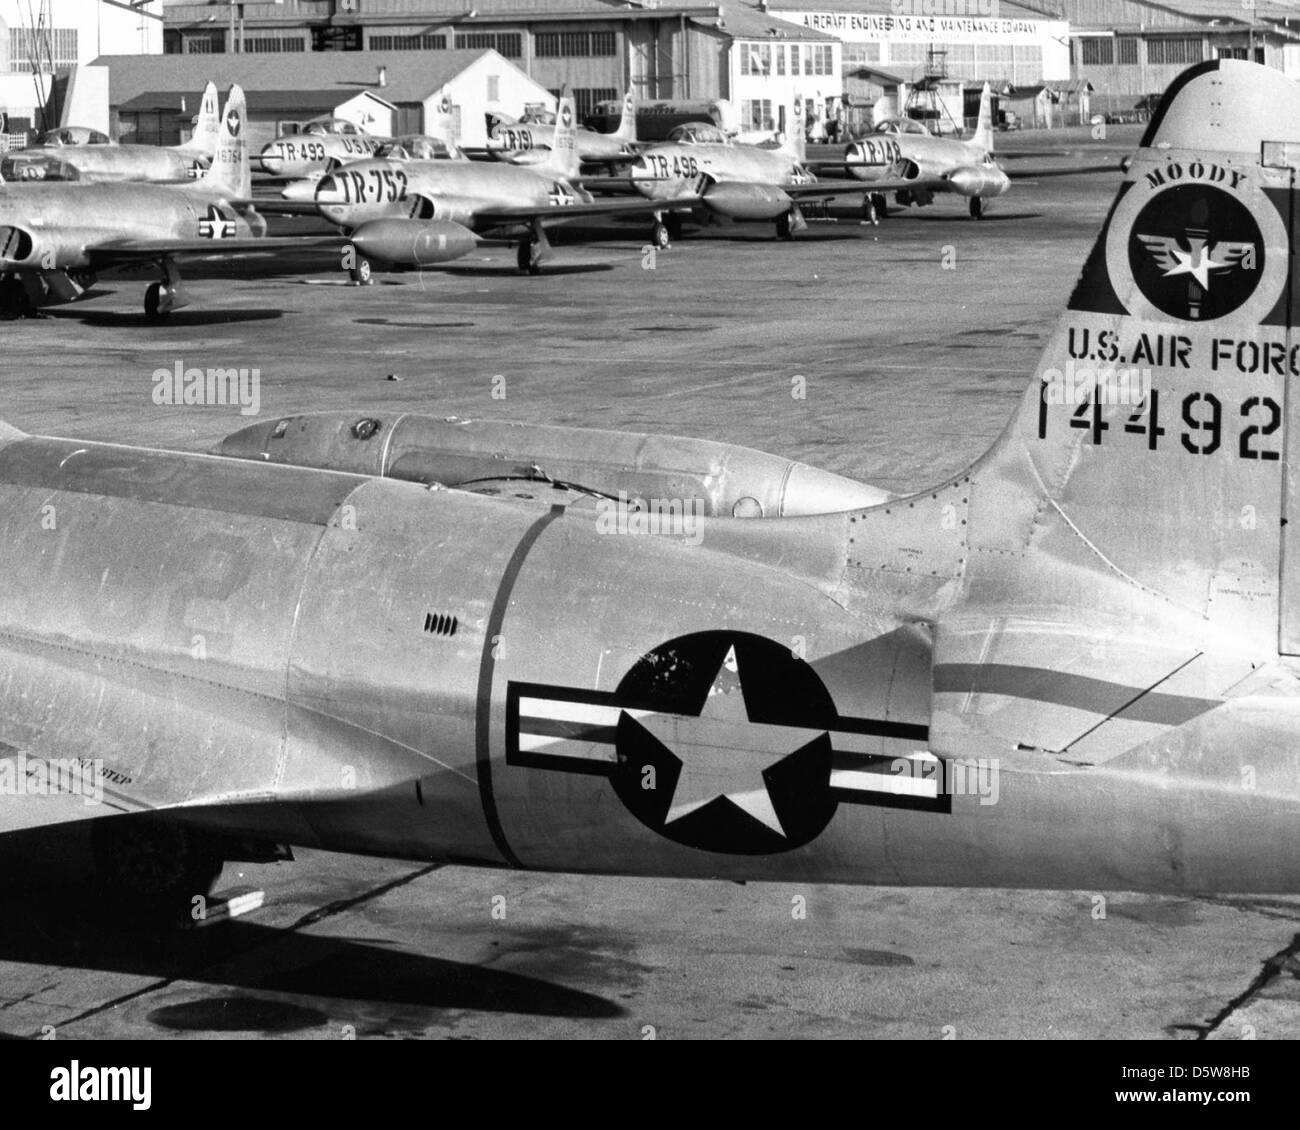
[1007, 9]
[259, 15]
[263, 101]
[412, 76]
[741, 21]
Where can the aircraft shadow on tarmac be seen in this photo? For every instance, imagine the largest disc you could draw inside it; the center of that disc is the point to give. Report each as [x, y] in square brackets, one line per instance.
[451, 270]
[69, 927]
[51, 916]
[110, 319]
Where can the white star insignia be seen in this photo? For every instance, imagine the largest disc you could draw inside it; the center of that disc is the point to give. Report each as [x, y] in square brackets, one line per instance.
[724, 753]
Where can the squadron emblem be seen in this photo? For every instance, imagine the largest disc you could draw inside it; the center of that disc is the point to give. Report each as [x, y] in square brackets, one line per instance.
[723, 741]
[1196, 252]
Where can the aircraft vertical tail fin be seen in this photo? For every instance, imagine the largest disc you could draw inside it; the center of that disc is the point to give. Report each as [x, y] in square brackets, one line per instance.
[564, 159]
[230, 173]
[1128, 549]
[442, 123]
[627, 122]
[984, 135]
[207, 123]
[1155, 446]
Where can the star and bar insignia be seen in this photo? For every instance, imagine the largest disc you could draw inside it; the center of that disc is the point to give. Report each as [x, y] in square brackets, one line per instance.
[724, 741]
[216, 226]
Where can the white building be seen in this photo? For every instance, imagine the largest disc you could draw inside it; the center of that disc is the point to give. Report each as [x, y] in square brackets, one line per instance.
[43, 42]
[884, 50]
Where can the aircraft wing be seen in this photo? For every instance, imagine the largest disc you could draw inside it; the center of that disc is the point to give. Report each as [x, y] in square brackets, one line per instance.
[558, 213]
[842, 188]
[279, 207]
[120, 251]
[1059, 171]
[929, 182]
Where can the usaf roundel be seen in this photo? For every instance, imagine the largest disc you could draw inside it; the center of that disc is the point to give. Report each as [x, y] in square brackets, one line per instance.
[566, 117]
[234, 123]
[722, 741]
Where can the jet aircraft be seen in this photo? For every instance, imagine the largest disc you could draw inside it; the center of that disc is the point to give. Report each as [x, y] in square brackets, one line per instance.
[735, 181]
[901, 157]
[1073, 664]
[56, 239]
[89, 156]
[528, 142]
[417, 213]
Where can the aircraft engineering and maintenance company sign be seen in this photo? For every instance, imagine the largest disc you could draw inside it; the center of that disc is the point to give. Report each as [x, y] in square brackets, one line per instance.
[865, 27]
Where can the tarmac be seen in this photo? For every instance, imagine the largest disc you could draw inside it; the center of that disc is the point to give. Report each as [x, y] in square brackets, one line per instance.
[913, 340]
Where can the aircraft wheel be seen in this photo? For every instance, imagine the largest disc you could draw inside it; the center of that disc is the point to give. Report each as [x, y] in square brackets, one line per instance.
[660, 236]
[784, 228]
[528, 263]
[881, 205]
[674, 224]
[976, 208]
[360, 271]
[153, 300]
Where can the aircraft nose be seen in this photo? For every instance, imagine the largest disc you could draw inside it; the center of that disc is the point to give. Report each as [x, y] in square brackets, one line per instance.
[271, 161]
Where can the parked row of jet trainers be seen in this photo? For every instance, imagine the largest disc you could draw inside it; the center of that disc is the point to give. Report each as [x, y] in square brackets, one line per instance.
[70, 212]
[1073, 665]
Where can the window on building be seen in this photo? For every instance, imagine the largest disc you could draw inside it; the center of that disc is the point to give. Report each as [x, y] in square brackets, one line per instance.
[265, 44]
[1126, 51]
[1097, 52]
[507, 43]
[26, 45]
[332, 38]
[794, 58]
[756, 113]
[573, 44]
[823, 60]
[1174, 52]
[206, 43]
[780, 58]
[408, 43]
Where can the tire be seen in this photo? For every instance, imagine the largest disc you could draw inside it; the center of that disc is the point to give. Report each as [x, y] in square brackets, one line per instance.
[528, 263]
[784, 229]
[660, 236]
[361, 271]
